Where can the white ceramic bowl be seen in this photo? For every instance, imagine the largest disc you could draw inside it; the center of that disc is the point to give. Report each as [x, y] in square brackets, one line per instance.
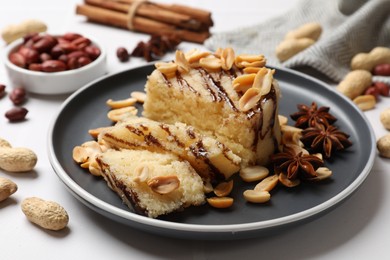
[51, 83]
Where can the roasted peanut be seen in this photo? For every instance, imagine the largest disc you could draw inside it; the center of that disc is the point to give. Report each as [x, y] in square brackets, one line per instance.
[223, 189]
[16, 31]
[383, 146]
[16, 114]
[287, 182]
[220, 202]
[122, 54]
[268, 183]
[17, 159]
[385, 118]
[7, 188]
[257, 196]
[253, 173]
[290, 47]
[311, 30]
[114, 104]
[2, 90]
[382, 69]
[355, 83]
[17, 59]
[365, 102]
[53, 66]
[210, 63]
[17, 95]
[164, 184]
[322, 174]
[367, 61]
[120, 114]
[46, 214]
[139, 96]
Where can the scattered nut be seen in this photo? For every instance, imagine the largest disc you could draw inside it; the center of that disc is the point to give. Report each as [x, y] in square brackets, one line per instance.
[243, 82]
[182, 63]
[114, 104]
[139, 96]
[86, 155]
[247, 60]
[365, 102]
[17, 95]
[16, 114]
[210, 63]
[382, 69]
[283, 120]
[290, 47]
[355, 83]
[268, 183]
[121, 114]
[96, 131]
[16, 31]
[253, 173]
[167, 68]
[141, 173]
[322, 174]
[249, 99]
[257, 196]
[383, 146]
[223, 189]
[385, 118]
[17, 159]
[367, 61]
[287, 182]
[7, 188]
[164, 184]
[122, 54]
[2, 90]
[4, 143]
[311, 30]
[220, 202]
[291, 135]
[46, 214]
[227, 58]
[208, 187]
[194, 55]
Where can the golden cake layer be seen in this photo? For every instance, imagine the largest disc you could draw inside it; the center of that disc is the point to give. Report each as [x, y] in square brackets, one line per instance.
[151, 183]
[234, 98]
[211, 159]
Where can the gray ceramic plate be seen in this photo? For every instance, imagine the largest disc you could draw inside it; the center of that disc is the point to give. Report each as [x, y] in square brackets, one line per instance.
[86, 109]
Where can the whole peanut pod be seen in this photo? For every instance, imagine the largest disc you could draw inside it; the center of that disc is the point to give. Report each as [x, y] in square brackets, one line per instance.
[355, 83]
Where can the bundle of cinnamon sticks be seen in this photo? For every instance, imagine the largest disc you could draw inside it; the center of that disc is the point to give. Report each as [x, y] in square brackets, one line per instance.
[187, 23]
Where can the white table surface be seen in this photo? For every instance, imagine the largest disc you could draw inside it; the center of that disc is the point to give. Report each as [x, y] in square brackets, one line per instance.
[358, 229]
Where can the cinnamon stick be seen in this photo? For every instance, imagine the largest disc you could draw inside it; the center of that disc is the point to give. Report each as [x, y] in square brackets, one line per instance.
[199, 14]
[141, 24]
[150, 10]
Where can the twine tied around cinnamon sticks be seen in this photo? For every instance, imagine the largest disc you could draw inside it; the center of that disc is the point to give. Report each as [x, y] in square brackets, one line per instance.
[132, 11]
[187, 23]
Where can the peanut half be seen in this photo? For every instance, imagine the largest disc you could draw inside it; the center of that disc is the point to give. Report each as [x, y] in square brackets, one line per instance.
[223, 189]
[253, 173]
[7, 188]
[164, 184]
[220, 202]
[256, 196]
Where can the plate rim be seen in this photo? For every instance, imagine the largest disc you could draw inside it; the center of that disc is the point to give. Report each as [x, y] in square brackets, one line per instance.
[93, 201]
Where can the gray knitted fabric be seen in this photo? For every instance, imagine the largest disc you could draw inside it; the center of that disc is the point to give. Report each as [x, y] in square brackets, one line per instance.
[349, 27]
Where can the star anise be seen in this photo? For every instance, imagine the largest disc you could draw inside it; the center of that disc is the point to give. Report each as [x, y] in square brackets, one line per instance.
[310, 116]
[296, 164]
[325, 139]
